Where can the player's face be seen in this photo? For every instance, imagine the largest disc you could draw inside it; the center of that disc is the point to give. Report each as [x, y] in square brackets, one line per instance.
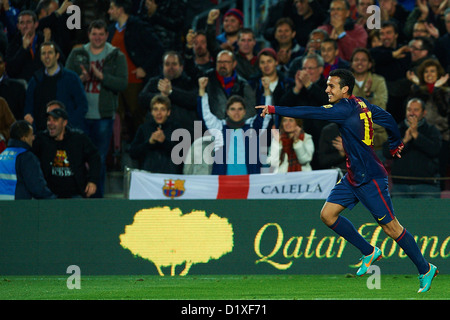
[334, 90]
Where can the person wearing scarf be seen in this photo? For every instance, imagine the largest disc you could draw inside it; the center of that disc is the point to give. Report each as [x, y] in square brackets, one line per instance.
[292, 149]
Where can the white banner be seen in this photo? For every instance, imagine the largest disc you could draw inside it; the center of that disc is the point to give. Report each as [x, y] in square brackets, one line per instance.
[293, 185]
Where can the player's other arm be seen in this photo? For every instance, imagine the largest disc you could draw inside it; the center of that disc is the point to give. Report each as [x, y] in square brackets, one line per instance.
[385, 119]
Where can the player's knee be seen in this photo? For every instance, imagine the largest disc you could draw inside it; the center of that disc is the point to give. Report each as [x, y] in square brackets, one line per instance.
[393, 229]
[326, 217]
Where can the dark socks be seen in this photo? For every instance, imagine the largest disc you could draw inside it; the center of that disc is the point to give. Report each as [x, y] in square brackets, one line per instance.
[408, 244]
[345, 229]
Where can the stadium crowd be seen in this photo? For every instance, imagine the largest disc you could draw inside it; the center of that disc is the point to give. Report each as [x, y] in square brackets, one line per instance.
[136, 71]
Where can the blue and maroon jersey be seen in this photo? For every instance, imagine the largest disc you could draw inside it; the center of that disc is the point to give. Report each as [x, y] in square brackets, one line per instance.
[355, 117]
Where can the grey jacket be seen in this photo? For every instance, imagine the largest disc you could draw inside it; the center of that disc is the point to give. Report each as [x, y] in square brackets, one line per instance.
[115, 76]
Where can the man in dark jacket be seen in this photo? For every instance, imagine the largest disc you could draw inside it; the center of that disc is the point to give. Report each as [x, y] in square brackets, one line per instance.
[175, 84]
[69, 160]
[22, 54]
[55, 82]
[20, 171]
[420, 157]
[224, 82]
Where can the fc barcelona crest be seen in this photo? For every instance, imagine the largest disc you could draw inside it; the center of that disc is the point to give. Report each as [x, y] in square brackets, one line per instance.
[173, 188]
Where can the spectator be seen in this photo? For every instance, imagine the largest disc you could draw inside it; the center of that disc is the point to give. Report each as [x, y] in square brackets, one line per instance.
[286, 46]
[12, 90]
[141, 47]
[362, 14]
[330, 54]
[234, 154]
[55, 82]
[103, 70]
[53, 20]
[421, 49]
[233, 22]
[420, 156]
[371, 87]
[394, 12]
[8, 17]
[424, 29]
[309, 90]
[269, 83]
[291, 148]
[246, 57]
[316, 37]
[26, 180]
[331, 153]
[344, 30]
[224, 82]
[196, 49]
[374, 39]
[430, 11]
[392, 62]
[175, 84]
[22, 55]
[306, 16]
[167, 20]
[69, 160]
[6, 120]
[442, 45]
[430, 85]
[152, 145]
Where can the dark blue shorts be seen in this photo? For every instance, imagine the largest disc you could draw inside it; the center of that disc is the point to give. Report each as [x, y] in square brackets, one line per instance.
[374, 195]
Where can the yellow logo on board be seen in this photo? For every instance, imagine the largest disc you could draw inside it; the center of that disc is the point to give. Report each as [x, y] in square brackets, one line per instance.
[169, 238]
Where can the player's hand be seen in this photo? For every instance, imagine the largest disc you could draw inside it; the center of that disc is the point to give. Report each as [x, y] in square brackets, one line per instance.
[265, 110]
[399, 150]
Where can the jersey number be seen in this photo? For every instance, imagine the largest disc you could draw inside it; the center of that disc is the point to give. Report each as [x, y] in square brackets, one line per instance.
[366, 116]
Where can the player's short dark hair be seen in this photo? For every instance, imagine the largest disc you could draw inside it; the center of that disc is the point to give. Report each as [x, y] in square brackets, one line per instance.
[20, 129]
[347, 78]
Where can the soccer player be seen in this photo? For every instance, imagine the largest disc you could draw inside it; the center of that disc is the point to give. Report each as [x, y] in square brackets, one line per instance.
[366, 178]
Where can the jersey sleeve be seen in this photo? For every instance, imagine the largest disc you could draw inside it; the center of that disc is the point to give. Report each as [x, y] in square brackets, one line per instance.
[334, 113]
[385, 119]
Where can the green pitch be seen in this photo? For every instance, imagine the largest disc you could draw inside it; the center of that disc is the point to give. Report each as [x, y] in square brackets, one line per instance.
[232, 287]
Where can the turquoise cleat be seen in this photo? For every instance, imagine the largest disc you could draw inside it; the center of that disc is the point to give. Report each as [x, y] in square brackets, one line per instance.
[368, 260]
[425, 279]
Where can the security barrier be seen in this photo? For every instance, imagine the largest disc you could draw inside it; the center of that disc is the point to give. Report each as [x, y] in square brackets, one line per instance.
[107, 237]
